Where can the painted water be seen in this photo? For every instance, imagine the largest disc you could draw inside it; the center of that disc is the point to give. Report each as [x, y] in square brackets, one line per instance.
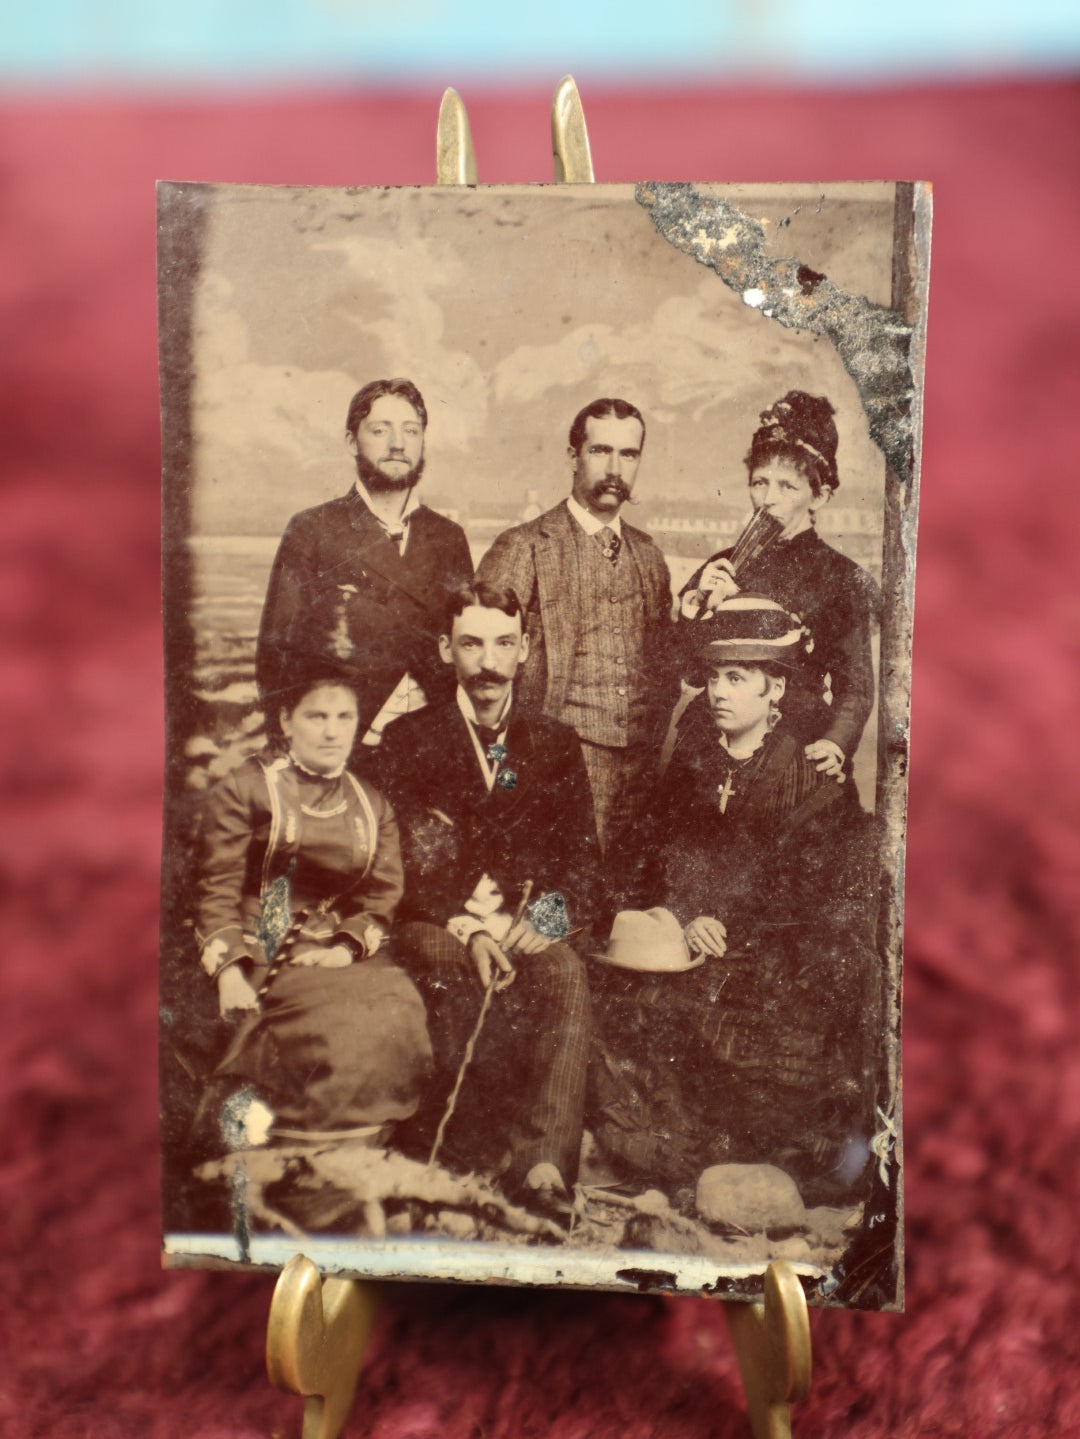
[229, 579]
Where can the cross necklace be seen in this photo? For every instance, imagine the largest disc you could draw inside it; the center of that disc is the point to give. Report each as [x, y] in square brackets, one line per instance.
[727, 791]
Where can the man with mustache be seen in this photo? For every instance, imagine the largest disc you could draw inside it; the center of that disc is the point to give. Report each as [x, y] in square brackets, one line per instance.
[363, 578]
[597, 598]
[501, 870]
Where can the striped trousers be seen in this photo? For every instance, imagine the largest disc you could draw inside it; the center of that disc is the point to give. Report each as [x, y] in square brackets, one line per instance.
[623, 784]
[523, 1098]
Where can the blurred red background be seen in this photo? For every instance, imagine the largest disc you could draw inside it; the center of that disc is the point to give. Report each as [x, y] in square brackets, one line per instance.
[96, 1339]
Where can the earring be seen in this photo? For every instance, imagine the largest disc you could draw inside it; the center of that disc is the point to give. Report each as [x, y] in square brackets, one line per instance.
[775, 715]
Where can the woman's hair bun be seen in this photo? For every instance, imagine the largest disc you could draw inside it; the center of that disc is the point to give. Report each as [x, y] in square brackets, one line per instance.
[799, 427]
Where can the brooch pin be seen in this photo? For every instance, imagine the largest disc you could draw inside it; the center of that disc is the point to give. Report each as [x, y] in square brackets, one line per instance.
[507, 779]
[496, 753]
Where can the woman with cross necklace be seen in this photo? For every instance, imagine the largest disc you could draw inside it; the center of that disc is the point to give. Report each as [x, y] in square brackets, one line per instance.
[762, 1050]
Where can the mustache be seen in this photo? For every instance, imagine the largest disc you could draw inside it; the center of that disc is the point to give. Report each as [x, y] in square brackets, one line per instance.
[619, 488]
[485, 677]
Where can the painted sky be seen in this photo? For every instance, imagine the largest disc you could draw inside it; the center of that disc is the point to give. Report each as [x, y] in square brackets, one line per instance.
[510, 307]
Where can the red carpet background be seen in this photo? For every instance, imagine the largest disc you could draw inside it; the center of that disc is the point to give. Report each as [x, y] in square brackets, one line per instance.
[94, 1339]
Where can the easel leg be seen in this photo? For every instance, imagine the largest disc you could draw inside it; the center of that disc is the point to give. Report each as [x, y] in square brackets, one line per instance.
[315, 1339]
[772, 1344]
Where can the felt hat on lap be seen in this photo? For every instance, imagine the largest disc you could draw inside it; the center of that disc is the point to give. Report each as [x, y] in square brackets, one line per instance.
[650, 940]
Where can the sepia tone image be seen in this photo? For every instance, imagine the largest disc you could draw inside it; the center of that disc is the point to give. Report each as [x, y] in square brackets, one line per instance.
[538, 576]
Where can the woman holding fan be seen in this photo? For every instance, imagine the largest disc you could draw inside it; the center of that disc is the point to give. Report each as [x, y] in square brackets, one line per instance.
[793, 474]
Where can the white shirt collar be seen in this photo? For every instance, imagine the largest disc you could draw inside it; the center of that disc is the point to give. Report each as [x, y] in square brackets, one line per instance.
[465, 705]
[589, 523]
[412, 504]
[489, 767]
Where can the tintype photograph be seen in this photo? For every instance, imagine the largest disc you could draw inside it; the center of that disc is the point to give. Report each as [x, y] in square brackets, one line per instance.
[538, 576]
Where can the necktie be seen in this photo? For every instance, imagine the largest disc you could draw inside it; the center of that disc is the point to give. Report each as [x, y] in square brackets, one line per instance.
[396, 535]
[486, 735]
[610, 543]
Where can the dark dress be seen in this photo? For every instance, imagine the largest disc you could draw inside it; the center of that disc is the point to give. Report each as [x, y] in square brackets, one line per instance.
[764, 1055]
[292, 861]
[837, 600]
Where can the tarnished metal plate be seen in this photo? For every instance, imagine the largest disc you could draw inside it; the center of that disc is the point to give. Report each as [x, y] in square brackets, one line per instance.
[715, 1086]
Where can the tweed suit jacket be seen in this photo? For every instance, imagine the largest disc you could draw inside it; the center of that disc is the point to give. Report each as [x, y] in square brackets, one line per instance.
[538, 561]
[454, 830]
[394, 614]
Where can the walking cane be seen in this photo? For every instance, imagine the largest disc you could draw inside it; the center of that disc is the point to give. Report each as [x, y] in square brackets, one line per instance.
[470, 1048]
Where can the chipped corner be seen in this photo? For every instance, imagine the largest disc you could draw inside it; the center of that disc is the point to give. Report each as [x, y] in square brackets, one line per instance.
[873, 342]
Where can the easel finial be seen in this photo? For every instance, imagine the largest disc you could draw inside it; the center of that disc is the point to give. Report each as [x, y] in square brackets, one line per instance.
[569, 136]
[455, 159]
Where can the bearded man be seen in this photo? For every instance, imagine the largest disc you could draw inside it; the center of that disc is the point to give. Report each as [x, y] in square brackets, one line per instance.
[364, 578]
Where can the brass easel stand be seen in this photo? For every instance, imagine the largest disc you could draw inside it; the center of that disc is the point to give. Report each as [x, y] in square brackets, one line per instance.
[315, 1339]
[318, 1328]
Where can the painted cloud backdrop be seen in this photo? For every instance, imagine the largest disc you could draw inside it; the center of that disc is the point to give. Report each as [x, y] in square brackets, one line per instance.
[510, 308]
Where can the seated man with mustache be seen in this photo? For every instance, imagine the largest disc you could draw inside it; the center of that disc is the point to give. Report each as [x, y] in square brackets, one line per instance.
[494, 809]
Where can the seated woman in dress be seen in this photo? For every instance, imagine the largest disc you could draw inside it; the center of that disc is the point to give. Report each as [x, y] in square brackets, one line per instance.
[793, 474]
[762, 1049]
[301, 873]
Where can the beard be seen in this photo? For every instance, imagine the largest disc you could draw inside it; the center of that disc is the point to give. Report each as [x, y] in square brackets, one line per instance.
[374, 480]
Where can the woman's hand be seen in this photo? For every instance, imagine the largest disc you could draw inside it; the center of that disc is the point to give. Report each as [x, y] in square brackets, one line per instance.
[718, 581]
[235, 991]
[705, 935]
[828, 757]
[337, 956]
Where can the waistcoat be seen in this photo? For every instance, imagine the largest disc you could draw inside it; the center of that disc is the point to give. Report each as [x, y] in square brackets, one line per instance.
[605, 695]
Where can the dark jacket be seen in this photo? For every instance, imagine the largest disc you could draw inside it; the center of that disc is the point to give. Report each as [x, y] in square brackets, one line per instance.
[837, 599]
[541, 829]
[391, 619]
